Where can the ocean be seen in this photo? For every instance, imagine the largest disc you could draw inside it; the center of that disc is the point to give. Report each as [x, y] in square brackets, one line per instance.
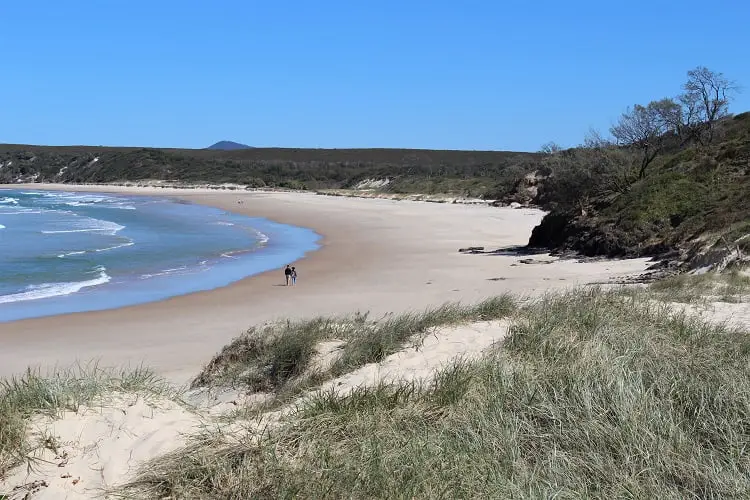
[63, 252]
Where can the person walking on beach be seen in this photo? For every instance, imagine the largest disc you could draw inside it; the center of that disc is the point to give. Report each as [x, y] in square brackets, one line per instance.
[287, 274]
[294, 276]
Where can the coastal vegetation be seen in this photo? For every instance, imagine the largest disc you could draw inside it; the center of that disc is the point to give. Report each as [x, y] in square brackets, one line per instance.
[276, 357]
[671, 182]
[473, 173]
[731, 287]
[592, 394]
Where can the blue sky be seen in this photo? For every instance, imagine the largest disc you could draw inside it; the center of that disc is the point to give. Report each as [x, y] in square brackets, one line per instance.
[424, 74]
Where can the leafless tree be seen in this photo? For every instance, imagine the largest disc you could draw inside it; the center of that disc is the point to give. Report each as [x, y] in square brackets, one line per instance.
[689, 127]
[705, 100]
[595, 140]
[645, 128]
[550, 148]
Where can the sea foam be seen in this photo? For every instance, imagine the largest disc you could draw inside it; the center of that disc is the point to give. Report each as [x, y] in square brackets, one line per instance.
[47, 290]
[94, 226]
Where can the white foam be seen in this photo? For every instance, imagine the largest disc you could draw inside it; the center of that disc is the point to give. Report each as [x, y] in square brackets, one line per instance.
[82, 199]
[224, 223]
[2, 227]
[86, 203]
[99, 226]
[67, 254]
[83, 252]
[47, 290]
[23, 211]
[164, 272]
[129, 243]
[6, 200]
[263, 239]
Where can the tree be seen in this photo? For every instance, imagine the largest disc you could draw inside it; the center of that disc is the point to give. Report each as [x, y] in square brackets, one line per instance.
[582, 178]
[645, 128]
[705, 101]
[550, 148]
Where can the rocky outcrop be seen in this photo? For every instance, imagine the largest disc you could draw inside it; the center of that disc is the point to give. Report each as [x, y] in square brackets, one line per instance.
[526, 191]
[722, 254]
[592, 236]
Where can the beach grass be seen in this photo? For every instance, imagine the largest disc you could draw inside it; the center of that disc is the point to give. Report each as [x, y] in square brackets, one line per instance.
[36, 393]
[272, 357]
[733, 286]
[593, 394]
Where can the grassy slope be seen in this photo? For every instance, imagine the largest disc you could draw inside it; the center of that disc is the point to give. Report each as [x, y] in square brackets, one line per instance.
[274, 357]
[686, 195]
[593, 394]
[730, 287]
[472, 173]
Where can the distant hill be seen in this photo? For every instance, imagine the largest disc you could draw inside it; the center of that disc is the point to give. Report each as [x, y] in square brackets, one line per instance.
[229, 146]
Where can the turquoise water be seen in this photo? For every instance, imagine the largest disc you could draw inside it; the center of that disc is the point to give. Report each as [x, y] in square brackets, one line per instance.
[64, 252]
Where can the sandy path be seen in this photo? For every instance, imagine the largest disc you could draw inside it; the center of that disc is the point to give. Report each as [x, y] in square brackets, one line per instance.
[377, 255]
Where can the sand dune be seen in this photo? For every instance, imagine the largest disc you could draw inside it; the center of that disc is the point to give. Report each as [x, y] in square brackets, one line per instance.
[95, 448]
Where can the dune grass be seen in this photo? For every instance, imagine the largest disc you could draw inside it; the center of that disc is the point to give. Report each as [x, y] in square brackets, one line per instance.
[272, 357]
[35, 393]
[731, 286]
[592, 395]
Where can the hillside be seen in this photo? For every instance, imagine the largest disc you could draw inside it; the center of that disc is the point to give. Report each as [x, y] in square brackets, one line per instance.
[693, 204]
[228, 146]
[470, 173]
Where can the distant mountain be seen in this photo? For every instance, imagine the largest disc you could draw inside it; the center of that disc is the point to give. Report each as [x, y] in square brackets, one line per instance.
[229, 145]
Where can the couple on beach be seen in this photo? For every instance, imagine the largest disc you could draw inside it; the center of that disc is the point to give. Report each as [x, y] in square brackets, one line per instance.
[290, 273]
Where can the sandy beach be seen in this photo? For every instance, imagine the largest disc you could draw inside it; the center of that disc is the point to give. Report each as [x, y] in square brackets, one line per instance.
[377, 255]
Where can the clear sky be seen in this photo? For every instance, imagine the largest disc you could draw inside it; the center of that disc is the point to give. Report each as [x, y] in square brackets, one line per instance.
[505, 75]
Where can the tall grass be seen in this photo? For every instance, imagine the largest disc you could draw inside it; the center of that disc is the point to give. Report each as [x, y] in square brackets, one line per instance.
[592, 395]
[34, 393]
[371, 345]
[732, 286]
[271, 357]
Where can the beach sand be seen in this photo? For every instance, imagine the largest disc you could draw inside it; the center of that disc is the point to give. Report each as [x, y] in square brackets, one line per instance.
[377, 255]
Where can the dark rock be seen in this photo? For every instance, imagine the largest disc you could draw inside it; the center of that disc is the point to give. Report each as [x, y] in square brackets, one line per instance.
[471, 250]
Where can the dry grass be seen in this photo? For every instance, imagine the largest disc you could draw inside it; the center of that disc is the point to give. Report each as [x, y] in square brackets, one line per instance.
[272, 358]
[592, 395]
[690, 288]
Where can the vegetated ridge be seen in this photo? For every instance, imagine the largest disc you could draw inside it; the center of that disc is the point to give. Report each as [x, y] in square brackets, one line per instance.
[473, 173]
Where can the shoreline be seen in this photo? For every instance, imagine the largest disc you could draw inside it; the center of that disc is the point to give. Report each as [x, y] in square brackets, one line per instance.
[125, 287]
[374, 255]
